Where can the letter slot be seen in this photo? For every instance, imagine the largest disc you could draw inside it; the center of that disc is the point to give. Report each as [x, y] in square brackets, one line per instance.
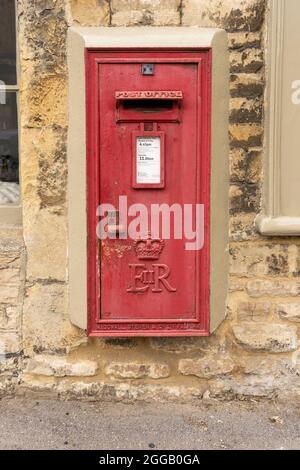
[143, 106]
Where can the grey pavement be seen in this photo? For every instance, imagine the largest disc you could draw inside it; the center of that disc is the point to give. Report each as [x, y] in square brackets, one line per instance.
[52, 424]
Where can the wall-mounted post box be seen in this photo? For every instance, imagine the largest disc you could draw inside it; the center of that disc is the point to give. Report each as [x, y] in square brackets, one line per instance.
[148, 200]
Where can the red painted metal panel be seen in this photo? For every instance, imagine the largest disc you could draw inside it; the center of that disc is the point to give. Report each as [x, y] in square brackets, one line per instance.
[148, 286]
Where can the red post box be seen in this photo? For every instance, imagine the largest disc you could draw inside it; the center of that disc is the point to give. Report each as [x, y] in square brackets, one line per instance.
[149, 182]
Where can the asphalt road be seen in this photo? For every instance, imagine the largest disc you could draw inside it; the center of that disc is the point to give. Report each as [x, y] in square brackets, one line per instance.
[46, 424]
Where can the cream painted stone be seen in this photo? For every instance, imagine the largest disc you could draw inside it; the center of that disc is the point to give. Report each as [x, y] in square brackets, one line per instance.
[272, 337]
[266, 288]
[234, 15]
[137, 370]
[280, 214]
[60, 367]
[289, 311]
[145, 12]
[206, 367]
[89, 12]
[46, 326]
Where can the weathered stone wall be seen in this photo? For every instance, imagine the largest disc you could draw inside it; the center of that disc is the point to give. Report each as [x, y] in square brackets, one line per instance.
[12, 269]
[255, 351]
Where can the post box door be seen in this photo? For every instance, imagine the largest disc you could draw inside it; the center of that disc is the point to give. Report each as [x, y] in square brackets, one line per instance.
[152, 148]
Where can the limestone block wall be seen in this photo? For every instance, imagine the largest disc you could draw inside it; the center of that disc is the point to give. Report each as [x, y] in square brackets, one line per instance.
[12, 270]
[255, 352]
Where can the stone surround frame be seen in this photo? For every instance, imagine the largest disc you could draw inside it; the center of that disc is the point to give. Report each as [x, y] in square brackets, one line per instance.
[281, 213]
[80, 38]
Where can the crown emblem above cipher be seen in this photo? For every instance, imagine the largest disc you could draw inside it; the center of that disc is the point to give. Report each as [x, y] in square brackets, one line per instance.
[148, 248]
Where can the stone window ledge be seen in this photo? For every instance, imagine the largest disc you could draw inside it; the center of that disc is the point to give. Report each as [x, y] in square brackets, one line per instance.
[281, 215]
[278, 226]
[10, 214]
